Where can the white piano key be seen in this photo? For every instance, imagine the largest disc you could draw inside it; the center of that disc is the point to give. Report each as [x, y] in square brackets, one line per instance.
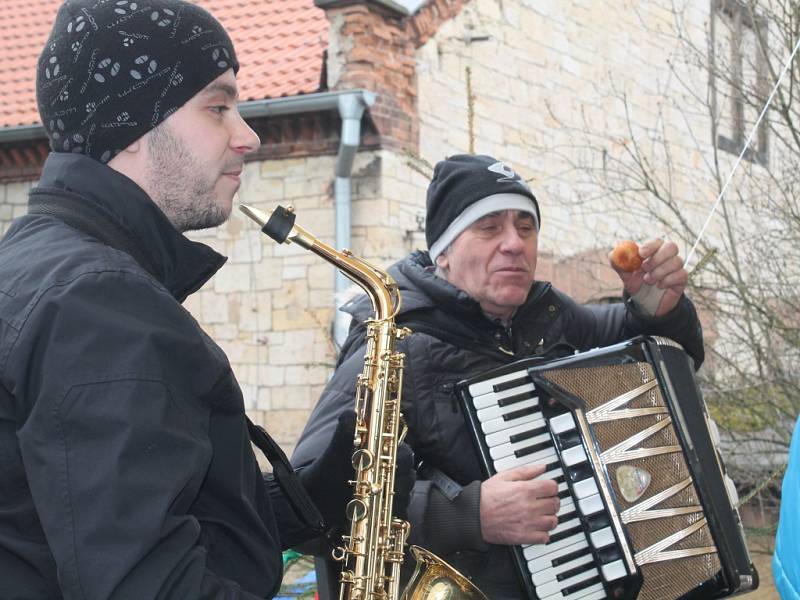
[567, 505]
[593, 592]
[544, 456]
[545, 561]
[541, 550]
[547, 572]
[518, 426]
[486, 386]
[614, 570]
[591, 505]
[552, 474]
[569, 524]
[492, 412]
[493, 398]
[508, 449]
[562, 423]
[602, 538]
[500, 423]
[573, 456]
[553, 589]
[585, 488]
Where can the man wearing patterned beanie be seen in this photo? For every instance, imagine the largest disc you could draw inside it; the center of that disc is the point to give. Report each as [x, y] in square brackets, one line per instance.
[126, 464]
[473, 303]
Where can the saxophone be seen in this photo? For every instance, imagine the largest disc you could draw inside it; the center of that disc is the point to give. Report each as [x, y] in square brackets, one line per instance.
[372, 553]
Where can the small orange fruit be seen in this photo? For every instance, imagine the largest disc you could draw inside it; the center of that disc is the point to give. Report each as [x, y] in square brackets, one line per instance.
[625, 256]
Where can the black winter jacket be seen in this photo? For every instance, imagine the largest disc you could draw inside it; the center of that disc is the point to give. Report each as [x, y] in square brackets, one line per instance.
[126, 469]
[455, 340]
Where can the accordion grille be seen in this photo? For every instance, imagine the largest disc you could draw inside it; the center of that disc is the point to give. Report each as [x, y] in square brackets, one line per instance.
[596, 386]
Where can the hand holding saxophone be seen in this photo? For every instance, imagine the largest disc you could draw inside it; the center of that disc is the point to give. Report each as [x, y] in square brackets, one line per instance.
[517, 508]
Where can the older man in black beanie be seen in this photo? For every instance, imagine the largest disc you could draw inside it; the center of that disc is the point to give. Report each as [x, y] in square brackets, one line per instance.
[474, 303]
[126, 465]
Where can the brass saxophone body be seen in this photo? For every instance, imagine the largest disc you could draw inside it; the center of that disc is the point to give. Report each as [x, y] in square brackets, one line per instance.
[372, 552]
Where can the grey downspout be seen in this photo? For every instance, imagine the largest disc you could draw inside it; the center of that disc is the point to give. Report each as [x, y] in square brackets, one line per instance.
[351, 109]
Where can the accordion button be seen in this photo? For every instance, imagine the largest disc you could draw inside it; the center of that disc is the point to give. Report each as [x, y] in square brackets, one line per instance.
[585, 488]
[733, 495]
[573, 456]
[713, 430]
[591, 505]
[562, 423]
[614, 570]
[602, 538]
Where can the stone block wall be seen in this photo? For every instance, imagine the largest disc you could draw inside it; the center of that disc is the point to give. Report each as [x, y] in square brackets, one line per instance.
[548, 80]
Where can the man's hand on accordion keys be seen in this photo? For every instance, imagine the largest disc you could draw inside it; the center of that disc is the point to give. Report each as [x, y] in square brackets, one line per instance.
[517, 508]
[655, 278]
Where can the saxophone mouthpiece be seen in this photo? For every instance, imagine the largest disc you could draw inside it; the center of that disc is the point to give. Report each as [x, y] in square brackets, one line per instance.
[278, 225]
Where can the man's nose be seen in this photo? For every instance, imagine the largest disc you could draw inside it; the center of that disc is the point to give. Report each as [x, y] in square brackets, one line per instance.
[511, 241]
[244, 139]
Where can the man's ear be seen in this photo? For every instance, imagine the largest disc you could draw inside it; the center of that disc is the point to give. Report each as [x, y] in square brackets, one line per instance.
[132, 162]
[134, 148]
[442, 262]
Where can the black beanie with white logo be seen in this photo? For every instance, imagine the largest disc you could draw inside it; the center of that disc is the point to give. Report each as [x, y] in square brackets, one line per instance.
[112, 70]
[466, 187]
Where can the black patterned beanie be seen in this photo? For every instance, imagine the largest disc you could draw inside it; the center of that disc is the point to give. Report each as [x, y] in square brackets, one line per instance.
[112, 70]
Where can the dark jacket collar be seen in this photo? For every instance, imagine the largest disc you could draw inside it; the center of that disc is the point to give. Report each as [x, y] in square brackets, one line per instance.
[421, 288]
[181, 265]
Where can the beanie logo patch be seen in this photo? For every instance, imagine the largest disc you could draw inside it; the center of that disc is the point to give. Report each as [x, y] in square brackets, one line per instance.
[505, 170]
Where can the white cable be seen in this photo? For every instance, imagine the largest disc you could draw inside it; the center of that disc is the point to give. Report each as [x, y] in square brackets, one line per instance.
[741, 154]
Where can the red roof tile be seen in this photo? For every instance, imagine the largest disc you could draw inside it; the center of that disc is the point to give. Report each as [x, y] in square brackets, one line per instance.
[280, 44]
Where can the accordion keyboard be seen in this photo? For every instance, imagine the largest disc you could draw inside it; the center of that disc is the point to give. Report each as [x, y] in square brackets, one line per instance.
[583, 554]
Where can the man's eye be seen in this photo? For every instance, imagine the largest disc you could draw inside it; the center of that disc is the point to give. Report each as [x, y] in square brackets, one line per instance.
[220, 109]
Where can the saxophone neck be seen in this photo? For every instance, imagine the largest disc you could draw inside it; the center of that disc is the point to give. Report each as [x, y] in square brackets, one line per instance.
[378, 284]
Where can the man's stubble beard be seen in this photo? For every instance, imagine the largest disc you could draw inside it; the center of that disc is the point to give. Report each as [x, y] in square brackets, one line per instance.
[179, 185]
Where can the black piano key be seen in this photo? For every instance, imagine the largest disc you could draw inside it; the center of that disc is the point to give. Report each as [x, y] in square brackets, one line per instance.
[520, 413]
[567, 591]
[599, 521]
[507, 385]
[566, 533]
[559, 479]
[569, 439]
[580, 472]
[564, 494]
[535, 448]
[561, 560]
[567, 516]
[575, 571]
[609, 554]
[516, 398]
[526, 435]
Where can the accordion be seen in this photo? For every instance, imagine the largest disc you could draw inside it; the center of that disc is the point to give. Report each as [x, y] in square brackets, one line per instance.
[647, 510]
